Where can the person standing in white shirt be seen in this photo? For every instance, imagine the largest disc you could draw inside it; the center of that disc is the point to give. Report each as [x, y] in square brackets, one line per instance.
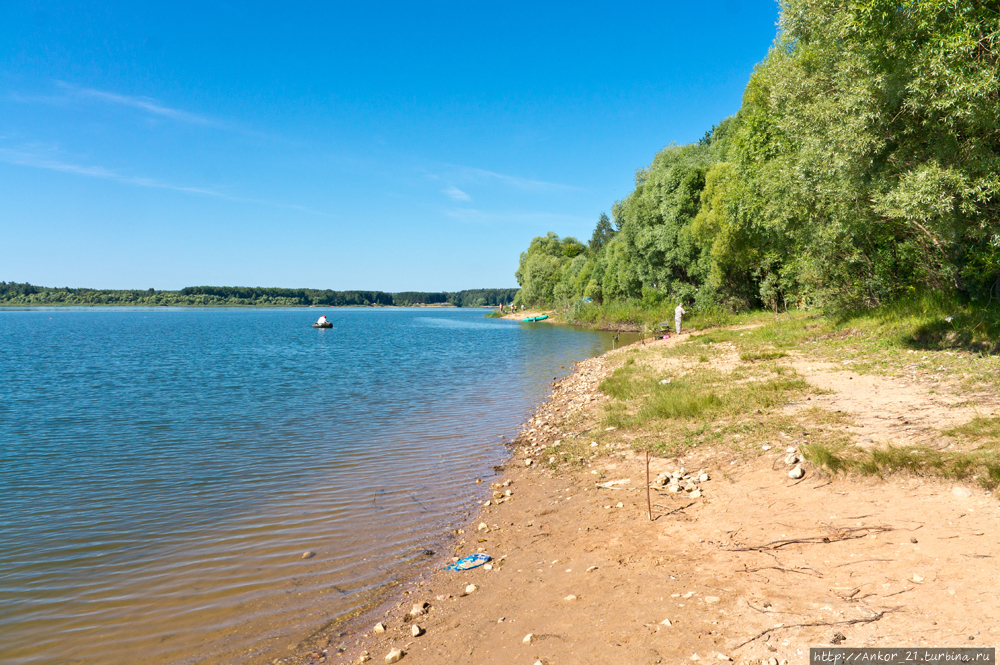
[678, 316]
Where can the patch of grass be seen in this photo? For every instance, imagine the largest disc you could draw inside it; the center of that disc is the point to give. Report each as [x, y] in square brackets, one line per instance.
[977, 428]
[680, 399]
[980, 466]
[645, 396]
[756, 355]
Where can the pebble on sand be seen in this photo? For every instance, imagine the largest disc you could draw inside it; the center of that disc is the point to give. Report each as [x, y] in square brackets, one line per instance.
[796, 473]
[695, 494]
[394, 656]
[470, 589]
[570, 598]
[418, 610]
[527, 638]
[416, 630]
[308, 555]
[529, 462]
[380, 627]
[666, 622]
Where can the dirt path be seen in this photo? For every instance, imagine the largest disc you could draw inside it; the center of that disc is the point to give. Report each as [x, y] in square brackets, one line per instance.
[758, 566]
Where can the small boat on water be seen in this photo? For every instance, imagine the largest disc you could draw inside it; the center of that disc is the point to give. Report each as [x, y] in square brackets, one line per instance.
[323, 325]
[536, 318]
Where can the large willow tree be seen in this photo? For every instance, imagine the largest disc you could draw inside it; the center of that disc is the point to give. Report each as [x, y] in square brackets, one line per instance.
[870, 138]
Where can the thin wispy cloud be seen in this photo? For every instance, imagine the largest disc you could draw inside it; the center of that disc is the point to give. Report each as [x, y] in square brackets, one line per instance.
[143, 103]
[457, 194]
[477, 174]
[32, 160]
[474, 216]
[74, 94]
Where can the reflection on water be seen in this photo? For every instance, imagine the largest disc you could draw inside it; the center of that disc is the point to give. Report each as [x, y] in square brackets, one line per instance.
[163, 470]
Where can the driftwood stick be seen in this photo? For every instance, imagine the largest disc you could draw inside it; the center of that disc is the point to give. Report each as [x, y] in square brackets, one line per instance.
[852, 622]
[846, 534]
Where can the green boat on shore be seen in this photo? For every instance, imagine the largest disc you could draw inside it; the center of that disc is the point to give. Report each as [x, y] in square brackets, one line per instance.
[536, 318]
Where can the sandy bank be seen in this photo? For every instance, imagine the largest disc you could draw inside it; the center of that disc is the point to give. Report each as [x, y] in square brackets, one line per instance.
[756, 565]
[518, 316]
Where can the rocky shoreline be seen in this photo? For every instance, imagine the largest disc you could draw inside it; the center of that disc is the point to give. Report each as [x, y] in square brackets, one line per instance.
[751, 555]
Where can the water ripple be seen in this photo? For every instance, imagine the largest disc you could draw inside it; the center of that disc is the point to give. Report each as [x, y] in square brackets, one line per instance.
[162, 470]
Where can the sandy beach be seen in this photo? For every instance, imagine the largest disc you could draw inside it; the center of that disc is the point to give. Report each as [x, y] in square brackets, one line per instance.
[741, 562]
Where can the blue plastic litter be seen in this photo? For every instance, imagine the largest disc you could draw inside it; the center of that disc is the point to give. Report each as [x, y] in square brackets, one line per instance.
[471, 561]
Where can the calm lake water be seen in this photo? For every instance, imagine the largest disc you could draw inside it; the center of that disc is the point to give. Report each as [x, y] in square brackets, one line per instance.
[163, 470]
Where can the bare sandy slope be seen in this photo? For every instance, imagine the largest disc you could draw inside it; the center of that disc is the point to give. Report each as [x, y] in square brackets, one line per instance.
[758, 566]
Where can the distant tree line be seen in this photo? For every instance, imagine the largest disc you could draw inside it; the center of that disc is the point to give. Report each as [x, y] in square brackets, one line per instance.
[863, 165]
[12, 293]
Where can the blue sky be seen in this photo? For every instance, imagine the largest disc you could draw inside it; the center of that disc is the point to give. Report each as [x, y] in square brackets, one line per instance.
[389, 146]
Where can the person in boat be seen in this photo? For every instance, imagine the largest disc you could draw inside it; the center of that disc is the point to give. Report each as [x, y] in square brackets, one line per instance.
[322, 320]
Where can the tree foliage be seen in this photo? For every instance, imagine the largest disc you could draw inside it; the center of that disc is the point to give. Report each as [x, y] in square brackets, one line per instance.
[221, 296]
[865, 160]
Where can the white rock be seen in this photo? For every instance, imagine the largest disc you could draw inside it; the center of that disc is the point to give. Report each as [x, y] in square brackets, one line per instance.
[666, 622]
[483, 526]
[789, 449]
[394, 656]
[792, 459]
[772, 661]
[765, 447]
[308, 555]
[552, 460]
[471, 588]
[722, 656]
[593, 444]
[527, 638]
[917, 578]
[796, 473]
[695, 656]
[570, 598]
[675, 488]
[703, 478]
[528, 462]
[416, 630]
[487, 566]
[695, 494]
[619, 505]
[418, 610]
[380, 627]
[711, 599]
[592, 569]
[962, 492]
